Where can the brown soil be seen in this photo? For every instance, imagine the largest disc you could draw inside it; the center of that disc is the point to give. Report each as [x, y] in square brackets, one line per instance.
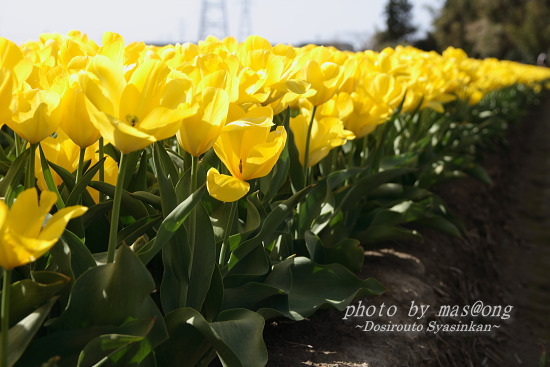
[502, 260]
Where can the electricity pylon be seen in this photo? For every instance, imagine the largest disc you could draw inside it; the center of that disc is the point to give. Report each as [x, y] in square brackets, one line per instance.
[245, 26]
[213, 19]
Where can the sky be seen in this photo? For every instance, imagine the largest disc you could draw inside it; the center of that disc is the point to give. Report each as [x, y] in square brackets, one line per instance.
[172, 21]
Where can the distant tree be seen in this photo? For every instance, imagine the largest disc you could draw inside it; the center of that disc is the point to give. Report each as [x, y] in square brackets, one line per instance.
[509, 29]
[399, 24]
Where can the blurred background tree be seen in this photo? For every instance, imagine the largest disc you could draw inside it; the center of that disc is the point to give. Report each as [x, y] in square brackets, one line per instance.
[399, 26]
[506, 29]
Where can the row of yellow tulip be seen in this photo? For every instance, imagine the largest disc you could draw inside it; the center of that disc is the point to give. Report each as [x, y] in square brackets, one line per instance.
[67, 95]
[136, 94]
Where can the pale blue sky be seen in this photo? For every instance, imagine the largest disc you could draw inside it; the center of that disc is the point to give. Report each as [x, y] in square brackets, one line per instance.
[281, 21]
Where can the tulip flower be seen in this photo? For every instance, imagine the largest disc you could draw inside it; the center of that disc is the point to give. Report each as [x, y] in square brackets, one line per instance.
[198, 132]
[74, 117]
[33, 117]
[326, 133]
[249, 150]
[133, 114]
[22, 238]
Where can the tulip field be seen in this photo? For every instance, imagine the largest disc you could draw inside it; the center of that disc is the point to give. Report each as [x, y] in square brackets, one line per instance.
[161, 203]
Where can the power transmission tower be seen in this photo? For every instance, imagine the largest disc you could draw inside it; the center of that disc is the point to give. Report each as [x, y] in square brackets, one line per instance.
[245, 26]
[213, 19]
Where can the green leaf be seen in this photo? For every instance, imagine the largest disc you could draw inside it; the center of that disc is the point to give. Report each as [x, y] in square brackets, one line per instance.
[13, 178]
[117, 349]
[272, 183]
[236, 336]
[214, 298]
[273, 220]
[347, 252]
[80, 187]
[66, 345]
[20, 335]
[203, 262]
[383, 233]
[166, 163]
[148, 198]
[297, 287]
[137, 229]
[296, 171]
[129, 204]
[478, 172]
[28, 294]
[81, 258]
[112, 294]
[49, 178]
[170, 225]
[254, 215]
[138, 181]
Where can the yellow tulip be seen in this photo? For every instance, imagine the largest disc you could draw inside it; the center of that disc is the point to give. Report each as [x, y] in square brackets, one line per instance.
[74, 117]
[135, 113]
[249, 150]
[22, 237]
[34, 115]
[324, 78]
[327, 133]
[14, 69]
[198, 132]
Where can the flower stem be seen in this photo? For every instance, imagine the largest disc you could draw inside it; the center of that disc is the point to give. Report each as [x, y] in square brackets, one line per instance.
[226, 233]
[116, 209]
[5, 316]
[193, 214]
[308, 139]
[80, 169]
[102, 168]
[29, 177]
[17, 142]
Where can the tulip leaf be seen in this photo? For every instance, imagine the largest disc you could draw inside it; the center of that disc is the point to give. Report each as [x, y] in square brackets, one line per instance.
[139, 179]
[117, 349]
[130, 205]
[170, 225]
[379, 233]
[131, 232]
[296, 171]
[68, 344]
[148, 198]
[236, 336]
[111, 294]
[166, 163]
[21, 334]
[272, 183]
[71, 255]
[13, 177]
[80, 187]
[277, 216]
[176, 261]
[204, 259]
[214, 298]
[255, 214]
[368, 182]
[28, 294]
[49, 178]
[347, 252]
[297, 287]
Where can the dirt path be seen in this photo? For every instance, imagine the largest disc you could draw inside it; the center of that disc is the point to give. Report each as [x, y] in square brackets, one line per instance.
[504, 260]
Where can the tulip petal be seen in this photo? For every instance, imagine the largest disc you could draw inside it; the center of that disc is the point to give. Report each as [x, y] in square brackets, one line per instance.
[27, 214]
[225, 188]
[57, 223]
